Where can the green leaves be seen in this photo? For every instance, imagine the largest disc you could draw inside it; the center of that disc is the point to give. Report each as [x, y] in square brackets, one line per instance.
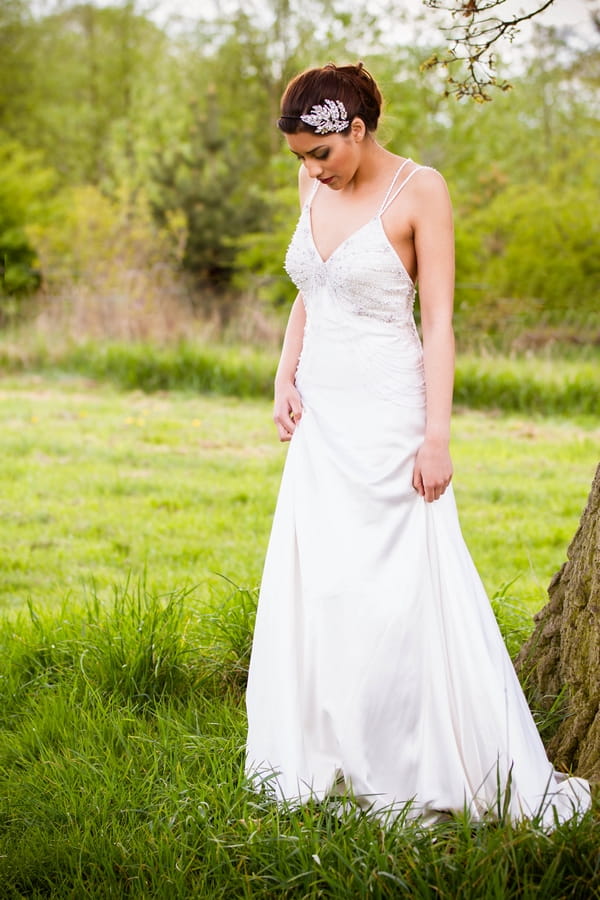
[132, 116]
[25, 187]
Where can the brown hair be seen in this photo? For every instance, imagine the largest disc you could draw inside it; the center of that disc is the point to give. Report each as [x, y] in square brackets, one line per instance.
[353, 85]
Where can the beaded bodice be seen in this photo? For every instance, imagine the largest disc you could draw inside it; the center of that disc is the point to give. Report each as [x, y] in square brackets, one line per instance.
[364, 275]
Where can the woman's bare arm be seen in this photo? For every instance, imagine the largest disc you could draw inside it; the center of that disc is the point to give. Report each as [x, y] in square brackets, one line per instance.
[434, 245]
[288, 405]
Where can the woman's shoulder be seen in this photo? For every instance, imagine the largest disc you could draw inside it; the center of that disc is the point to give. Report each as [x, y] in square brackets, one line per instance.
[427, 182]
[429, 178]
[306, 185]
[424, 192]
[428, 174]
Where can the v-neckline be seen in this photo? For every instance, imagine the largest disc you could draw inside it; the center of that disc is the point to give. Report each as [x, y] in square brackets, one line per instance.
[378, 215]
[342, 243]
[375, 218]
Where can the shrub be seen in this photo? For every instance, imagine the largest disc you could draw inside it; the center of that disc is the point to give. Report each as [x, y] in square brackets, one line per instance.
[24, 185]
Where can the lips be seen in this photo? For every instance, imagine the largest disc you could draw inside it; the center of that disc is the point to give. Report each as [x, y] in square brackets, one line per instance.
[326, 180]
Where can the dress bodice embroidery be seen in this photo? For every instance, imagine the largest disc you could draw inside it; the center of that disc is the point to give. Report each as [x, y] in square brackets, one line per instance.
[364, 274]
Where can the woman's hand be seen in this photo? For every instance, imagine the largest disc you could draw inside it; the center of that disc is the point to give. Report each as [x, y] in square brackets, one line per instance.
[288, 410]
[433, 469]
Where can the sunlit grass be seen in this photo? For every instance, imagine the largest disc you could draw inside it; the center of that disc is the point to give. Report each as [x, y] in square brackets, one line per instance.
[121, 774]
[121, 689]
[97, 484]
[521, 485]
[543, 384]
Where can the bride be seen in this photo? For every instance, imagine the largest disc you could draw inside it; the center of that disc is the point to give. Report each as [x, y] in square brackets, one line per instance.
[377, 669]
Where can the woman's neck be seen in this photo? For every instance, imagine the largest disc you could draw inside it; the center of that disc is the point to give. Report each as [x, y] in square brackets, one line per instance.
[377, 165]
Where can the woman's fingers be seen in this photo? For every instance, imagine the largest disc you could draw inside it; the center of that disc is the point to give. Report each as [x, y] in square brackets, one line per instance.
[430, 490]
[418, 483]
[285, 426]
[296, 409]
[287, 414]
[435, 490]
[432, 470]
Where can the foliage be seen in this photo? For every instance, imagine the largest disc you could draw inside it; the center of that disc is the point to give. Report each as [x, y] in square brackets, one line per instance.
[80, 93]
[72, 243]
[540, 241]
[24, 186]
[259, 255]
[183, 117]
[208, 178]
[108, 268]
[218, 169]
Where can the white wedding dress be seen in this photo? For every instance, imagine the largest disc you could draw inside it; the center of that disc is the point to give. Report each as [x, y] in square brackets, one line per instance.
[377, 664]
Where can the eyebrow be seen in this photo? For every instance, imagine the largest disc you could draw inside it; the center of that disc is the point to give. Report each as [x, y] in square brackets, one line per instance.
[308, 152]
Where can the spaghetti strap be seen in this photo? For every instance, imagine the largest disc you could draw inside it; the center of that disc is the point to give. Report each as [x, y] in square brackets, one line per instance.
[391, 187]
[313, 191]
[390, 199]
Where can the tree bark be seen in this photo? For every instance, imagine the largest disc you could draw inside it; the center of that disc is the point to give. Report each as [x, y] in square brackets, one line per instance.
[559, 665]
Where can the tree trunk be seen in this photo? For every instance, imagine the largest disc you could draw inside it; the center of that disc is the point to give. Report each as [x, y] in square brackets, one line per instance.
[560, 664]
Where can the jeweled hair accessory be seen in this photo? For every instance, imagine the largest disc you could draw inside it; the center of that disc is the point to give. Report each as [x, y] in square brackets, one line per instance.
[328, 117]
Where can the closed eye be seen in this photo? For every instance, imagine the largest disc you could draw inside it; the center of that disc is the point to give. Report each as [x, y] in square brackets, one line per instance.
[317, 154]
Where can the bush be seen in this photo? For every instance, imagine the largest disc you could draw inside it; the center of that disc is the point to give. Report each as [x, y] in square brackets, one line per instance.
[24, 185]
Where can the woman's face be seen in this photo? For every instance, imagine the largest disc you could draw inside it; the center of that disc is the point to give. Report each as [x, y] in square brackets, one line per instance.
[332, 158]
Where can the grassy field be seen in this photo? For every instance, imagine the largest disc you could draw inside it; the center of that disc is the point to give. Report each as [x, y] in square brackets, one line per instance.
[555, 382]
[124, 651]
[98, 485]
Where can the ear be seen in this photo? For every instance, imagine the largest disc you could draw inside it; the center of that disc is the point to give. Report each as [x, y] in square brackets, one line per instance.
[358, 129]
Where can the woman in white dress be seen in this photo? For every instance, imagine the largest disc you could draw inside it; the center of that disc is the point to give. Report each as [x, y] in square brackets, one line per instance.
[377, 667]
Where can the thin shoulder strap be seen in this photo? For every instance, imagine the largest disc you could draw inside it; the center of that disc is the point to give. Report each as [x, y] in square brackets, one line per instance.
[389, 200]
[312, 192]
[391, 187]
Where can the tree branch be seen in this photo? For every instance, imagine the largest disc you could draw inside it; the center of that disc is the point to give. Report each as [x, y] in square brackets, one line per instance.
[471, 43]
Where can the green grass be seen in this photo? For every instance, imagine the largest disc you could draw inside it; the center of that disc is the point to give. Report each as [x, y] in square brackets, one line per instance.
[521, 486]
[542, 384]
[96, 484]
[208, 368]
[121, 775]
[535, 385]
[124, 653]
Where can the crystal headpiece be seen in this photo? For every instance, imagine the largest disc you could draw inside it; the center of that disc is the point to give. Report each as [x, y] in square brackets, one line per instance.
[327, 118]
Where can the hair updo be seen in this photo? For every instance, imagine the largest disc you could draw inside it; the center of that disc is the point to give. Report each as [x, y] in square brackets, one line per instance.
[353, 85]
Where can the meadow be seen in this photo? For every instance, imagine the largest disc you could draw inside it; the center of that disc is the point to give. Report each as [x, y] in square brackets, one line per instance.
[133, 526]
[145, 205]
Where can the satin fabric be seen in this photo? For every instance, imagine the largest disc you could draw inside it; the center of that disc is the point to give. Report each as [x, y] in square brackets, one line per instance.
[377, 665]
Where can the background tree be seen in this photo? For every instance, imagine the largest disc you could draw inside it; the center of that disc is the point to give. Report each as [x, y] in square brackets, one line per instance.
[185, 118]
[25, 185]
[208, 178]
[477, 27]
[560, 663]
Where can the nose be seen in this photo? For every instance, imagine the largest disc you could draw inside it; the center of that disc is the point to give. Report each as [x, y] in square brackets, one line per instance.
[313, 167]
